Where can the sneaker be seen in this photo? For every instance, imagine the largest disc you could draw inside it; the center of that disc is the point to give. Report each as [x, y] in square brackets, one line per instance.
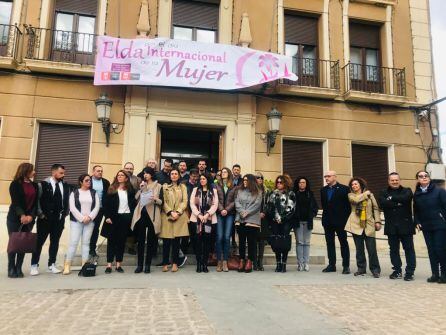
[182, 261]
[306, 267]
[53, 269]
[181, 253]
[408, 277]
[299, 267]
[396, 275]
[34, 270]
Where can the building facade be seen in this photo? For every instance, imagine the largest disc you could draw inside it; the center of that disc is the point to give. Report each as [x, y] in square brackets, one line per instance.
[360, 65]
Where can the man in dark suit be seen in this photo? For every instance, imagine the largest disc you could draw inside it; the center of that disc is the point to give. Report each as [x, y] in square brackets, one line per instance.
[53, 196]
[396, 202]
[100, 185]
[336, 210]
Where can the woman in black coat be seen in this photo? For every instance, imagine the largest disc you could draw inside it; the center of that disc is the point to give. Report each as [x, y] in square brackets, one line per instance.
[430, 217]
[119, 205]
[306, 210]
[22, 212]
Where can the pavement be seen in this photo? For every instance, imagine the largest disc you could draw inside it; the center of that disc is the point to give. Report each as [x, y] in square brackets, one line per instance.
[222, 303]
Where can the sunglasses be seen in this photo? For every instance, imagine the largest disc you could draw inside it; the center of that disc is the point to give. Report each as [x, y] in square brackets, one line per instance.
[259, 177]
[279, 182]
[423, 176]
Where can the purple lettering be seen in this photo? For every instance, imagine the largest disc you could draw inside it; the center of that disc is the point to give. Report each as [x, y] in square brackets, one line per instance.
[107, 49]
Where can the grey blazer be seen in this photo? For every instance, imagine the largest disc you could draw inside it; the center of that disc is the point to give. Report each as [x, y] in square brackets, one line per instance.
[245, 201]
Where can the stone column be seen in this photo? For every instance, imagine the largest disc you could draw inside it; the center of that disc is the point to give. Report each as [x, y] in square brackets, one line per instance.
[245, 133]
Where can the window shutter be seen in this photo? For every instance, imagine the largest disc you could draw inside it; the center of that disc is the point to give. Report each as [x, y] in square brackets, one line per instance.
[302, 158]
[195, 14]
[301, 29]
[86, 7]
[364, 35]
[64, 144]
[371, 164]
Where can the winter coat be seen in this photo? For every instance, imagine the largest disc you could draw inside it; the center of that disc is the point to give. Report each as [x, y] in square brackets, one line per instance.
[337, 210]
[174, 200]
[430, 208]
[245, 201]
[195, 204]
[226, 200]
[397, 207]
[312, 210]
[372, 215]
[153, 208]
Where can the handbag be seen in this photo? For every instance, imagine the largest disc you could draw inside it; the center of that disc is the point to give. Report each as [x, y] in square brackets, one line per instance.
[22, 242]
[280, 243]
[88, 270]
[106, 229]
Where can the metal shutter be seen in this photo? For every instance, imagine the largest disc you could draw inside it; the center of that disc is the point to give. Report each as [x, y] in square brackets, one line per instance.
[86, 7]
[302, 158]
[371, 163]
[301, 29]
[64, 144]
[195, 14]
[364, 35]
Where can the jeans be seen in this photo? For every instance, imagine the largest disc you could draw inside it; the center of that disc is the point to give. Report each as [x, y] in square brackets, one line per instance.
[118, 236]
[361, 261]
[95, 233]
[330, 232]
[436, 248]
[409, 250]
[54, 228]
[224, 230]
[303, 238]
[247, 234]
[78, 231]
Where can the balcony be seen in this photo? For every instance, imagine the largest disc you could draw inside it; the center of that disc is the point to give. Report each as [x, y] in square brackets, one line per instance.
[58, 51]
[316, 78]
[375, 84]
[9, 42]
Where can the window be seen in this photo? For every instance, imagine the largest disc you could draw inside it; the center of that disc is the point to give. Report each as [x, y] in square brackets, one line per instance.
[5, 18]
[365, 57]
[304, 158]
[74, 28]
[195, 21]
[371, 163]
[74, 153]
[301, 44]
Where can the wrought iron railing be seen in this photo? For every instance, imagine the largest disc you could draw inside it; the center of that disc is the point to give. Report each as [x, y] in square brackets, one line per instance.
[60, 46]
[375, 79]
[315, 73]
[9, 40]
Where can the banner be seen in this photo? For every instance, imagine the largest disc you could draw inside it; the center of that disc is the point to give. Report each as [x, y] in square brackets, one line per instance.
[166, 62]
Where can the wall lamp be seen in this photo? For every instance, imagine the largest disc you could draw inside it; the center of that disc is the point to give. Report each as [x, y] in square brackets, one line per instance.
[103, 110]
[274, 117]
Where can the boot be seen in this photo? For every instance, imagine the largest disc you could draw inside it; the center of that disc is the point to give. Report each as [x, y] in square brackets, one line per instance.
[248, 267]
[225, 266]
[260, 264]
[198, 266]
[138, 269]
[255, 266]
[67, 267]
[219, 266]
[241, 265]
[283, 267]
[278, 267]
[19, 264]
[204, 267]
[12, 273]
[147, 266]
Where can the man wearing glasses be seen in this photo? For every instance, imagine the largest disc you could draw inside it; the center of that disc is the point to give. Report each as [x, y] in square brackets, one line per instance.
[336, 210]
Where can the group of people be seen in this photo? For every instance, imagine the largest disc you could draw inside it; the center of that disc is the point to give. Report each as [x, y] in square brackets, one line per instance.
[203, 210]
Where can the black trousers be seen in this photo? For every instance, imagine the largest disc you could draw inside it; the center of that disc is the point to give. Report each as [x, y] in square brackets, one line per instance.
[361, 261]
[394, 241]
[247, 234]
[95, 234]
[281, 229]
[118, 236]
[13, 225]
[436, 248]
[203, 247]
[174, 244]
[330, 233]
[145, 232]
[54, 228]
